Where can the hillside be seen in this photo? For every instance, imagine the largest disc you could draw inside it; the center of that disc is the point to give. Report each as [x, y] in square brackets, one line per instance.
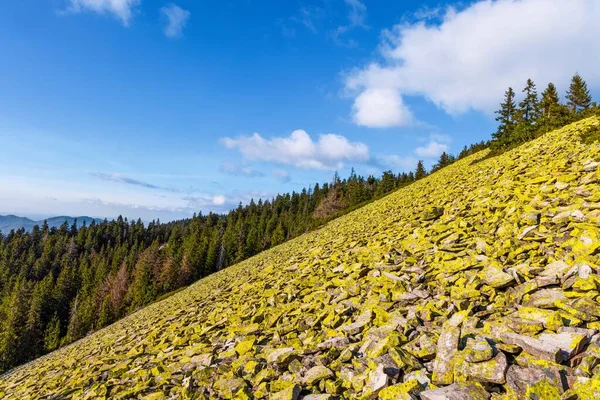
[479, 280]
[10, 222]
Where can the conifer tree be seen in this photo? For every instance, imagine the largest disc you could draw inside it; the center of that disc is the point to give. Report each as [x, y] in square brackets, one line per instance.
[420, 171]
[52, 334]
[59, 284]
[506, 118]
[106, 315]
[278, 235]
[526, 116]
[549, 101]
[578, 95]
[13, 332]
[386, 185]
[530, 105]
[445, 160]
[40, 300]
[552, 113]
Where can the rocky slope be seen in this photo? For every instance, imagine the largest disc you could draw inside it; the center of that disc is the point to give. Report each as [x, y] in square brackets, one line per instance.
[480, 281]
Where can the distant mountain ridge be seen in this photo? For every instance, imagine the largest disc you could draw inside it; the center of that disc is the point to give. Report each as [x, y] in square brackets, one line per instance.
[10, 222]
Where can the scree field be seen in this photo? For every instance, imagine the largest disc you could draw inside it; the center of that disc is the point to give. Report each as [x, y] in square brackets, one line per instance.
[479, 281]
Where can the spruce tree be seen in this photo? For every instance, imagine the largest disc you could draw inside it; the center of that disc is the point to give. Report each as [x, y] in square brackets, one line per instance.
[506, 118]
[420, 171]
[13, 338]
[549, 101]
[445, 160]
[52, 334]
[552, 113]
[578, 95]
[530, 105]
[386, 185]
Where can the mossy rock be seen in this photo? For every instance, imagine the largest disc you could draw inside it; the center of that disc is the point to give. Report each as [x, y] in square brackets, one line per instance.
[457, 255]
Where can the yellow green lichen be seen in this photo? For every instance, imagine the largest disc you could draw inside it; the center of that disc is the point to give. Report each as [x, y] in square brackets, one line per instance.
[484, 246]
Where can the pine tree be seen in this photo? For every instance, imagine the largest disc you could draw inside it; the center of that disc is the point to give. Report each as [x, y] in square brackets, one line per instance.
[530, 108]
[143, 286]
[278, 235]
[420, 171]
[58, 285]
[445, 160]
[578, 96]
[549, 102]
[386, 185]
[13, 332]
[106, 314]
[52, 334]
[552, 113]
[36, 318]
[506, 117]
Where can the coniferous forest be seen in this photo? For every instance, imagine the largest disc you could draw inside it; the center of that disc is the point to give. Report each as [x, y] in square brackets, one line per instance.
[59, 284]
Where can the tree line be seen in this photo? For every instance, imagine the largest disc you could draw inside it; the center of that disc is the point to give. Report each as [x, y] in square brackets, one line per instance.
[536, 115]
[533, 116]
[60, 284]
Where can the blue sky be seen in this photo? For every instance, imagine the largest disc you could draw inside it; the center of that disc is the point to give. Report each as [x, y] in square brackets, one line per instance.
[158, 109]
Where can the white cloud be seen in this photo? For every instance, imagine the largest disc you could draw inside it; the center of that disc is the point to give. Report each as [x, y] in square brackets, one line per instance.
[380, 108]
[467, 61]
[431, 150]
[122, 9]
[176, 19]
[218, 200]
[327, 153]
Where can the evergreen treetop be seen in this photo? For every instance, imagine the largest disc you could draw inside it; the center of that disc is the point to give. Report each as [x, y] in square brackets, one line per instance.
[530, 106]
[506, 117]
[578, 95]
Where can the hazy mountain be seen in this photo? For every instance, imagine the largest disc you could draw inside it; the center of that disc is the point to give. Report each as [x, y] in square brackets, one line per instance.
[10, 222]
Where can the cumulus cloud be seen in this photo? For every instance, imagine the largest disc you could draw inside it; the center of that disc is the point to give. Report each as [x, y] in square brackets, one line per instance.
[431, 150]
[122, 9]
[300, 150]
[175, 18]
[468, 59]
[379, 108]
[240, 170]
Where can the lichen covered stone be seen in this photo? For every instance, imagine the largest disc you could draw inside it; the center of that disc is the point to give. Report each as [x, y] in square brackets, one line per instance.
[480, 278]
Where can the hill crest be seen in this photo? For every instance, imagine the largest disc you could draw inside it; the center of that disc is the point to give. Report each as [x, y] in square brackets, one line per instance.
[479, 278]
